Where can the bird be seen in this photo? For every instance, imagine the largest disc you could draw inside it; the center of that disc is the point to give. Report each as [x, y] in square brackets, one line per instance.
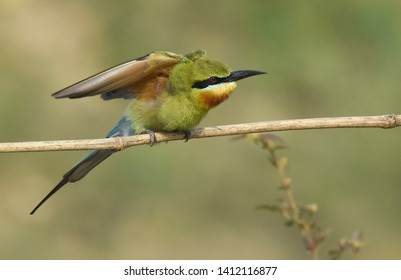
[170, 93]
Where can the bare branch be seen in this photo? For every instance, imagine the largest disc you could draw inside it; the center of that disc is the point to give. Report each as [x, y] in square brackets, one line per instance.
[120, 143]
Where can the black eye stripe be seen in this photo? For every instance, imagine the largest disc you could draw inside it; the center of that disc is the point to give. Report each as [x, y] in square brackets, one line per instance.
[205, 83]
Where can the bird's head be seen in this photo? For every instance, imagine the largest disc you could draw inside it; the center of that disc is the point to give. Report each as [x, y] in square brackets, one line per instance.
[208, 81]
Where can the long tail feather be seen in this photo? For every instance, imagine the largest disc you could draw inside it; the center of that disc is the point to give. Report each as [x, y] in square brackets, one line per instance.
[123, 128]
[78, 172]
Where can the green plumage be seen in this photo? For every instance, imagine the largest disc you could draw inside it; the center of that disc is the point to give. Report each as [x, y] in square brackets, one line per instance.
[170, 92]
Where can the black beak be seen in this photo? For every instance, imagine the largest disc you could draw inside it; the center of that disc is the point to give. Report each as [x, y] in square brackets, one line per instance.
[234, 76]
[242, 74]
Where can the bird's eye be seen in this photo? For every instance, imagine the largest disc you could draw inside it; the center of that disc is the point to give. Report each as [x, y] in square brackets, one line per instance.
[213, 80]
[208, 82]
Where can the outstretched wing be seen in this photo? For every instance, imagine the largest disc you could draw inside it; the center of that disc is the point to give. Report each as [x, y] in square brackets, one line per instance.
[118, 81]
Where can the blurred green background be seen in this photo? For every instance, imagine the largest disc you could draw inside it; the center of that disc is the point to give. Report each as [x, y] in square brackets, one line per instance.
[197, 200]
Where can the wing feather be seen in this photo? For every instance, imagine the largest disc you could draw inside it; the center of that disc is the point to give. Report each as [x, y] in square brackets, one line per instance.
[116, 82]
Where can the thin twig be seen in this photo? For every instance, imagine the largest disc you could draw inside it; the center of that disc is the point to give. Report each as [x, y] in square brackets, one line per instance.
[120, 143]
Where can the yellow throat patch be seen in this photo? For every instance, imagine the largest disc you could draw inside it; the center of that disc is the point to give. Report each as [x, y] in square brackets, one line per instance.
[212, 96]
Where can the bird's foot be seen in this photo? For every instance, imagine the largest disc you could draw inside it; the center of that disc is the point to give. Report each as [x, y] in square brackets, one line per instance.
[187, 135]
[152, 136]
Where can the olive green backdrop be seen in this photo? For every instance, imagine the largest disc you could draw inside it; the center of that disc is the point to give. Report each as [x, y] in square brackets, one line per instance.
[197, 200]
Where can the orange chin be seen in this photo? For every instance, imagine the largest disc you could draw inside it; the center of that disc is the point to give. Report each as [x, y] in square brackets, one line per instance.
[216, 94]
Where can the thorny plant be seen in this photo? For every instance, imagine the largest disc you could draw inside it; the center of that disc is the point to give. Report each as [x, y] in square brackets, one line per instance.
[296, 215]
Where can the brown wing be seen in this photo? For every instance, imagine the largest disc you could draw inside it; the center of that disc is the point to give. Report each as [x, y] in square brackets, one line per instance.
[118, 81]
